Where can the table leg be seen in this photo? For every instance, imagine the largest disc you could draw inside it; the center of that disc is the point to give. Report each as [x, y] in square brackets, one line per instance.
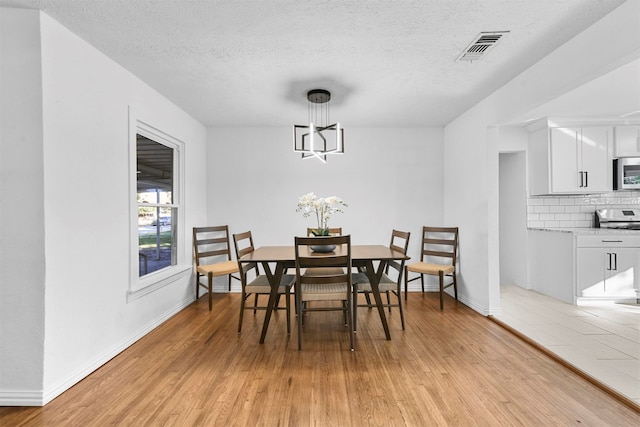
[374, 279]
[274, 281]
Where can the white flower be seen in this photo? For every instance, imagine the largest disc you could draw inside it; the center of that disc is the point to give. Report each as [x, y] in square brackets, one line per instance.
[322, 207]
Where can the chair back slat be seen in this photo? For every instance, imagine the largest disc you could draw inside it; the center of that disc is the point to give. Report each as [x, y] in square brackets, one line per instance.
[207, 254]
[212, 241]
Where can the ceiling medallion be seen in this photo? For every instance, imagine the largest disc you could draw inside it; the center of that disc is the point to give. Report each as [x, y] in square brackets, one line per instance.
[320, 139]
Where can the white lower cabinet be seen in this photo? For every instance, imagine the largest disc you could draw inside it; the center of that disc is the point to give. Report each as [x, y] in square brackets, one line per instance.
[607, 266]
[578, 266]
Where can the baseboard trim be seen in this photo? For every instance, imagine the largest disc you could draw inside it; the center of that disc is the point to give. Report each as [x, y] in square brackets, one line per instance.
[21, 398]
[613, 393]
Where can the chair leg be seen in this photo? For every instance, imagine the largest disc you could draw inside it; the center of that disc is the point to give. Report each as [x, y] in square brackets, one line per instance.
[400, 308]
[210, 278]
[242, 303]
[300, 315]
[441, 276]
[229, 283]
[422, 281]
[350, 317]
[286, 302]
[354, 303]
[197, 285]
[303, 312]
[255, 304]
[345, 306]
[406, 282]
[389, 301]
[368, 298]
[455, 286]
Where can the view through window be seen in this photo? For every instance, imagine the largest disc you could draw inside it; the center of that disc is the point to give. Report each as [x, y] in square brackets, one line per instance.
[157, 213]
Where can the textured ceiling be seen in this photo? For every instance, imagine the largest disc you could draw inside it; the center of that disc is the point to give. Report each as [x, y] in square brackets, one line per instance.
[387, 63]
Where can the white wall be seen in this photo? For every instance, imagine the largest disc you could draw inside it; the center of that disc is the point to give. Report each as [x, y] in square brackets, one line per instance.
[85, 148]
[22, 260]
[513, 219]
[390, 178]
[512, 146]
[471, 146]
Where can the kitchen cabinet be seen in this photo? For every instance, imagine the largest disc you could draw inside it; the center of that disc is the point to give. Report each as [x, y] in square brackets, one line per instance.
[570, 160]
[585, 265]
[627, 141]
[607, 266]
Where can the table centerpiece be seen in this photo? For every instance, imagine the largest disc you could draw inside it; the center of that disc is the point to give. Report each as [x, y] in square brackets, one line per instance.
[323, 208]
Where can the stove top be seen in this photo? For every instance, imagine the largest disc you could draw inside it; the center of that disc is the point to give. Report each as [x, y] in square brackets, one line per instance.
[624, 218]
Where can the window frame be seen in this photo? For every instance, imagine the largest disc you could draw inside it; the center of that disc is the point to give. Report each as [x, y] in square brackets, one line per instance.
[143, 285]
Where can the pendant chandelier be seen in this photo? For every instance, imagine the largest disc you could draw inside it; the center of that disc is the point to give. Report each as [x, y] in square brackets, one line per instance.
[318, 139]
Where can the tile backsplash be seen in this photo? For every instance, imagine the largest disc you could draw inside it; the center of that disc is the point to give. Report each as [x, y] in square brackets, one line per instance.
[575, 211]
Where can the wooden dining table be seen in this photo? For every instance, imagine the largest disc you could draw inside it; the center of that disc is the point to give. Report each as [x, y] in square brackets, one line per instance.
[362, 256]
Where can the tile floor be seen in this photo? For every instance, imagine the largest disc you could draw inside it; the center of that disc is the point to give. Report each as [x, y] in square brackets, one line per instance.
[602, 340]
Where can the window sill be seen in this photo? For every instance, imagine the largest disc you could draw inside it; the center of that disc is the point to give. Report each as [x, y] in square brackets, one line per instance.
[157, 281]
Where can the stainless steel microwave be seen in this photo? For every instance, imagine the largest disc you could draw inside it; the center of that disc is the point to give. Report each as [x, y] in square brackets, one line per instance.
[626, 173]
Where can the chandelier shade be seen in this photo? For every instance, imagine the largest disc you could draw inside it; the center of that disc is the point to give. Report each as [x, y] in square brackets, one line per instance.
[318, 139]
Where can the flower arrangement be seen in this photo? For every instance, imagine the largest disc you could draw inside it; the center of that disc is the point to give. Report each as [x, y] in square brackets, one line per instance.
[323, 207]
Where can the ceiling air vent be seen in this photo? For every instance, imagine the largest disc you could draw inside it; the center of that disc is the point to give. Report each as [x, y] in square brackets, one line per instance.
[481, 45]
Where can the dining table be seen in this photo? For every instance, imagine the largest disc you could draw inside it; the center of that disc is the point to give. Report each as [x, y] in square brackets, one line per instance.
[363, 257]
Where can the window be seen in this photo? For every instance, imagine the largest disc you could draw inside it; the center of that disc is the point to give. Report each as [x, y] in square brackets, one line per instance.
[157, 238]
[156, 210]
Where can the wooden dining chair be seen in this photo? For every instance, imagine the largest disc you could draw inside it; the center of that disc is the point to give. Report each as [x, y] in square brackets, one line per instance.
[391, 280]
[438, 257]
[212, 257]
[256, 284]
[324, 287]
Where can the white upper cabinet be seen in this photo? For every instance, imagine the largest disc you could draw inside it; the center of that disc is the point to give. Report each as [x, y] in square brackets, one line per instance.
[580, 160]
[627, 141]
[570, 160]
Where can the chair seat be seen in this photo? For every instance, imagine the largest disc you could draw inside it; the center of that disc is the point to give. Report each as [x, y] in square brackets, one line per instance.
[323, 292]
[361, 279]
[219, 269]
[433, 269]
[260, 285]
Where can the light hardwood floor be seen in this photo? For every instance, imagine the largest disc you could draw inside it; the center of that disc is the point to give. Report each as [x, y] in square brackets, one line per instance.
[451, 367]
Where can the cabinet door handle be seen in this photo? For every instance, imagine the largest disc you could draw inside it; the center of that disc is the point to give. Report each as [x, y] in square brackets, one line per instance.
[586, 179]
[609, 263]
[615, 261]
[581, 179]
[611, 241]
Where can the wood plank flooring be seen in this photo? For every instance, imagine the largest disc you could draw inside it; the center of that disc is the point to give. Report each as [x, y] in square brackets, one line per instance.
[453, 367]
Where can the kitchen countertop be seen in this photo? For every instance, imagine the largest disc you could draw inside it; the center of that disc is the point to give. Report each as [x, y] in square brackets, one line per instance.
[592, 231]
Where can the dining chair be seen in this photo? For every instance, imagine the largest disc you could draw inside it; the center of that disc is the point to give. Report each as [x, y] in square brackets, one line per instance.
[212, 257]
[259, 283]
[391, 280]
[438, 256]
[323, 287]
